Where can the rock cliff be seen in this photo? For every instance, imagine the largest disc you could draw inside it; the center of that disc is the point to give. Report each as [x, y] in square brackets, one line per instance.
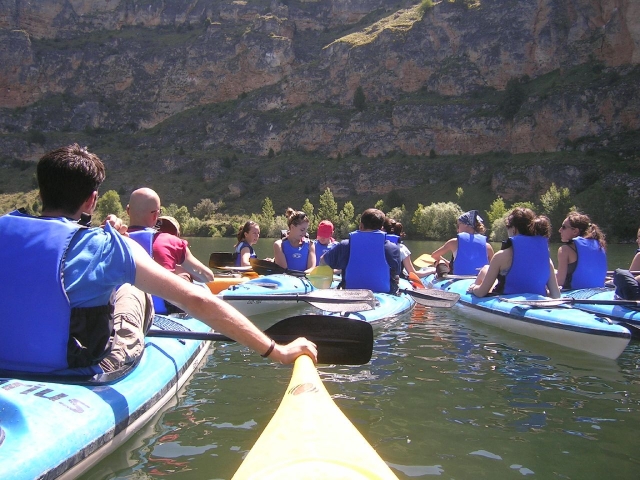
[462, 77]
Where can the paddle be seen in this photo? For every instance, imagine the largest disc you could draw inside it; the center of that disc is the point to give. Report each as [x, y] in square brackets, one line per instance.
[340, 340]
[320, 277]
[611, 272]
[330, 300]
[265, 267]
[556, 302]
[431, 297]
[424, 260]
[221, 259]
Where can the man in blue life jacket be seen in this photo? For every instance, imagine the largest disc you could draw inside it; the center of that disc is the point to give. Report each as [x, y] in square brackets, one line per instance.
[367, 259]
[78, 305]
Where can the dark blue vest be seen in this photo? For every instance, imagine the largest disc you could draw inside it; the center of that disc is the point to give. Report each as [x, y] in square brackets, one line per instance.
[36, 314]
[145, 238]
[239, 248]
[591, 269]
[367, 266]
[529, 271]
[471, 255]
[297, 257]
[322, 249]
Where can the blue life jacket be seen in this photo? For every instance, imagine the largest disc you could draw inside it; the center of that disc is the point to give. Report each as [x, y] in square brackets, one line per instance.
[471, 255]
[529, 272]
[37, 333]
[297, 257]
[367, 266]
[239, 248]
[322, 249]
[393, 238]
[591, 269]
[145, 238]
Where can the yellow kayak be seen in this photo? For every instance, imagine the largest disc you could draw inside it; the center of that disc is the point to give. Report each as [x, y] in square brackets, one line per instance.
[310, 438]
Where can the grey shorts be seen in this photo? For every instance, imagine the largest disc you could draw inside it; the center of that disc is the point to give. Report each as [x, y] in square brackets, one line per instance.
[133, 316]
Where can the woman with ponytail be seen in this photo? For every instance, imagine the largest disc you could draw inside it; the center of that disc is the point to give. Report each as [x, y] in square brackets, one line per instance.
[582, 260]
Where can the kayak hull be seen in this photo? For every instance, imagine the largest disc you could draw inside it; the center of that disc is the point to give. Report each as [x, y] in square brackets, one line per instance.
[310, 438]
[60, 430]
[569, 327]
[624, 315]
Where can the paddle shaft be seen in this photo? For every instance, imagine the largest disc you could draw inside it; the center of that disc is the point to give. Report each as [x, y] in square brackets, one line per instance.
[218, 337]
[552, 302]
[320, 297]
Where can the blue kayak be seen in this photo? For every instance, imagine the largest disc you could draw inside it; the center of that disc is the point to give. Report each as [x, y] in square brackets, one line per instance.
[388, 306]
[625, 314]
[563, 325]
[61, 429]
[272, 285]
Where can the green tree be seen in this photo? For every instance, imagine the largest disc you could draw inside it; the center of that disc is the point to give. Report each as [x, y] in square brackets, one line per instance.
[459, 194]
[380, 205]
[206, 208]
[328, 208]
[267, 217]
[308, 208]
[181, 214]
[359, 100]
[497, 210]
[346, 221]
[556, 204]
[436, 221]
[499, 228]
[108, 203]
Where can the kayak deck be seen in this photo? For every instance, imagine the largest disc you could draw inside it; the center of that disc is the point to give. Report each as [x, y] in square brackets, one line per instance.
[388, 306]
[61, 430]
[276, 284]
[310, 438]
[623, 314]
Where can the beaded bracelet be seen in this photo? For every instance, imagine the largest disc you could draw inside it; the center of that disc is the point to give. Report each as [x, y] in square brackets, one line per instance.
[271, 347]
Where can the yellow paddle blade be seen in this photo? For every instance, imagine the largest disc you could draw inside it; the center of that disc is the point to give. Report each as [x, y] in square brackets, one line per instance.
[321, 276]
[425, 260]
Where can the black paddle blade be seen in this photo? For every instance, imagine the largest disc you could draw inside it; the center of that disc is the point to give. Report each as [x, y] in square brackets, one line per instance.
[221, 259]
[340, 340]
[265, 267]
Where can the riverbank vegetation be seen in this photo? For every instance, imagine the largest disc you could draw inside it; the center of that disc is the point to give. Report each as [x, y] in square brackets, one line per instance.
[436, 221]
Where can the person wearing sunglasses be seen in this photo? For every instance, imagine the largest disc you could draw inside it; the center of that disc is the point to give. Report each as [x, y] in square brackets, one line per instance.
[582, 259]
[295, 251]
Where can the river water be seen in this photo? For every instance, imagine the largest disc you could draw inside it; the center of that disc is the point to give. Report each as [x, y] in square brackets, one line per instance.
[443, 396]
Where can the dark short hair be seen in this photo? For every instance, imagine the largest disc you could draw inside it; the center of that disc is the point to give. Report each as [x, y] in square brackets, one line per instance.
[372, 219]
[67, 176]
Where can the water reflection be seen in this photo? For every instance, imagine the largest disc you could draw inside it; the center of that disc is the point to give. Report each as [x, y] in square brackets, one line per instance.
[443, 396]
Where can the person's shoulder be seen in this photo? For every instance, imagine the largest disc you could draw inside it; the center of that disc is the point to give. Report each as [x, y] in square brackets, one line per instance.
[98, 239]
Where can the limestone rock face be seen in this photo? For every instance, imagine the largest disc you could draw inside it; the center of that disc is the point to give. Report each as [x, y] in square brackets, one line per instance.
[281, 76]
